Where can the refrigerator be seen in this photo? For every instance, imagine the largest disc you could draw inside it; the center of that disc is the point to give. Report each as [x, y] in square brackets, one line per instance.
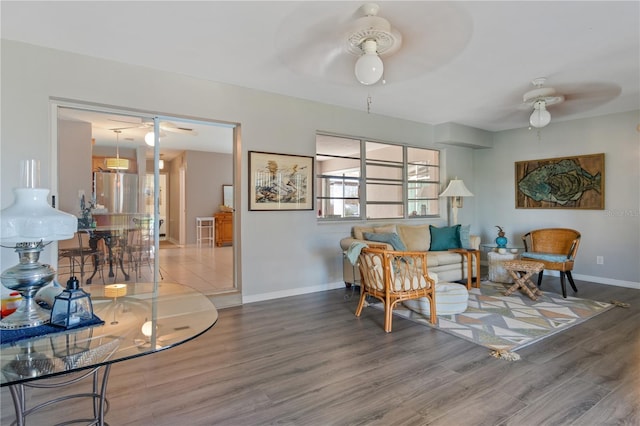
[117, 192]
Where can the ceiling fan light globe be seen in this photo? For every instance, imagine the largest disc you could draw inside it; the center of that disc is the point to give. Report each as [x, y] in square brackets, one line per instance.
[150, 139]
[369, 69]
[540, 117]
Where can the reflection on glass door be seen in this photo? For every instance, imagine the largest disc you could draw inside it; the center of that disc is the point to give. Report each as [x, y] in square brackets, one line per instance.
[92, 143]
[162, 202]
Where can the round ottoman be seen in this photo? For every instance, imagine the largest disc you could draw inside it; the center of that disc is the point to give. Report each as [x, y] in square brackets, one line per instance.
[451, 299]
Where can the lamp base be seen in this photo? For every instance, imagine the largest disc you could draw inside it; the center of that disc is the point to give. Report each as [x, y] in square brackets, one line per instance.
[27, 278]
[28, 314]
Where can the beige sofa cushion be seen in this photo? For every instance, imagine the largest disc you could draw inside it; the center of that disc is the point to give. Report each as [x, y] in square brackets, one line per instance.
[386, 229]
[415, 237]
[358, 231]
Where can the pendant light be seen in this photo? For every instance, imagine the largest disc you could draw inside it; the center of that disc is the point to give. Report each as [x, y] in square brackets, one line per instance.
[117, 163]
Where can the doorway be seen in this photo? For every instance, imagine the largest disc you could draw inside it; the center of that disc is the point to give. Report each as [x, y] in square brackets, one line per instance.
[87, 136]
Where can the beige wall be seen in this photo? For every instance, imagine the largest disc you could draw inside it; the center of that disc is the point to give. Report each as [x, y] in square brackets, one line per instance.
[306, 254]
[206, 173]
[74, 164]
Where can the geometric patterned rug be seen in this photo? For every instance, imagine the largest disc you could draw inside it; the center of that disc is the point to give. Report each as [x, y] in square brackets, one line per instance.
[496, 321]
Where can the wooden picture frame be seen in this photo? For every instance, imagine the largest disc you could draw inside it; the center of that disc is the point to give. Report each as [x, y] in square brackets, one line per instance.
[561, 183]
[280, 181]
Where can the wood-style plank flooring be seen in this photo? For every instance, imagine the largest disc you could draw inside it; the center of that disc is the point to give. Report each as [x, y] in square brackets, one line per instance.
[307, 360]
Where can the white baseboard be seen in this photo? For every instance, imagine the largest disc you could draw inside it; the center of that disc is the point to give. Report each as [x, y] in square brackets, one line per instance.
[592, 279]
[292, 292]
[340, 284]
[603, 280]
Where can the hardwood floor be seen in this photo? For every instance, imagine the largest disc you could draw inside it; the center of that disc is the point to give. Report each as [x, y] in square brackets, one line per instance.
[307, 360]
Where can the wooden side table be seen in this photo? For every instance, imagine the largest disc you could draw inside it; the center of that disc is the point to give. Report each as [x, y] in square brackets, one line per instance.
[470, 255]
[521, 271]
[224, 228]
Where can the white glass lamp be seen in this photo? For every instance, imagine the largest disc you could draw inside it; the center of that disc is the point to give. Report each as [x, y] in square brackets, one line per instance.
[150, 139]
[540, 117]
[369, 67]
[27, 225]
[455, 190]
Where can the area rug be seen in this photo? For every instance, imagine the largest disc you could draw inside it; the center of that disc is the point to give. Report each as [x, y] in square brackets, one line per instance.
[509, 323]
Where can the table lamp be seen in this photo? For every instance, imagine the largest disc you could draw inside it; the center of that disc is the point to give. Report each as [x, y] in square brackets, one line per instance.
[114, 291]
[455, 190]
[29, 224]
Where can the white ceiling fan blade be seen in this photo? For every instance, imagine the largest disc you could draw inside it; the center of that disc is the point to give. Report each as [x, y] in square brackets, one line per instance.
[170, 127]
[583, 97]
[312, 40]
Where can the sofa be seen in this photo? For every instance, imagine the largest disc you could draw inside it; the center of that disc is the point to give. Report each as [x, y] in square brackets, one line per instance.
[449, 266]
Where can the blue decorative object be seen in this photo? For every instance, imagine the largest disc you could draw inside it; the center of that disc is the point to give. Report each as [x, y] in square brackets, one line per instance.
[501, 241]
[12, 336]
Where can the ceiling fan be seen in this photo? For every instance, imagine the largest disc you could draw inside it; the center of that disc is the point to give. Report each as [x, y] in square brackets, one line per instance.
[569, 99]
[333, 41]
[539, 99]
[165, 126]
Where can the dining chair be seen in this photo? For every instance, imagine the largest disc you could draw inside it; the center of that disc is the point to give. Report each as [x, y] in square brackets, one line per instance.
[78, 253]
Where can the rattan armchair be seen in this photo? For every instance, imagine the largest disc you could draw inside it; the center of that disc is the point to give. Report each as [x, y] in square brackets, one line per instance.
[556, 248]
[392, 277]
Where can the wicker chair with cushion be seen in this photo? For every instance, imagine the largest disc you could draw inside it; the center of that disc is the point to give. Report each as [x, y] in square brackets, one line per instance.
[394, 276]
[556, 248]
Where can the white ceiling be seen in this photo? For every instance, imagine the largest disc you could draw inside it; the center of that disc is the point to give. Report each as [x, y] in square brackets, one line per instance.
[131, 130]
[462, 62]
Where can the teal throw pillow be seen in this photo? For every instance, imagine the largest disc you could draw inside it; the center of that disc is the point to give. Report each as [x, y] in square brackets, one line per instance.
[390, 238]
[465, 236]
[444, 238]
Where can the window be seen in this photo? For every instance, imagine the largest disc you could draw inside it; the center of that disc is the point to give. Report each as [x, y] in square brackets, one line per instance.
[359, 179]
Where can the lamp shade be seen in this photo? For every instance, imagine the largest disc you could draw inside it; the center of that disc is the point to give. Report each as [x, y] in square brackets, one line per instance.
[540, 117]
[456, 188]
[115, 290]
[369, 67]
[117, 163]
[31, 219]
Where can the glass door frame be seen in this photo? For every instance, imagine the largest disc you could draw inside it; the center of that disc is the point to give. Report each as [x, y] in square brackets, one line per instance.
[56, 103]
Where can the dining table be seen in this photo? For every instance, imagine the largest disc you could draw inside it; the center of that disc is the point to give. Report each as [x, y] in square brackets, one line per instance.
[135, 320]
[115, 240]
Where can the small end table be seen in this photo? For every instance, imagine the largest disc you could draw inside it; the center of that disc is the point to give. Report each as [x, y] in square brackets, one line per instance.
[470, 255]
[521, 271]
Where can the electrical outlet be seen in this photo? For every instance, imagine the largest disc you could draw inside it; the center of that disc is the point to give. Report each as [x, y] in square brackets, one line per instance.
[600, 260]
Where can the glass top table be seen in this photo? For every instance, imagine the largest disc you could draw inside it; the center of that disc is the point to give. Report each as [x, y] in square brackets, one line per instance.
[137, 322]
[494, 247]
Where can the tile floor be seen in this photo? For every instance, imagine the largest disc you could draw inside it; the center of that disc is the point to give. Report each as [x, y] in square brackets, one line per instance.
[207, 269]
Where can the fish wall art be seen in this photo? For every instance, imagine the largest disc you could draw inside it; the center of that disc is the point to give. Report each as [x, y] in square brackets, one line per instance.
[561, 183]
